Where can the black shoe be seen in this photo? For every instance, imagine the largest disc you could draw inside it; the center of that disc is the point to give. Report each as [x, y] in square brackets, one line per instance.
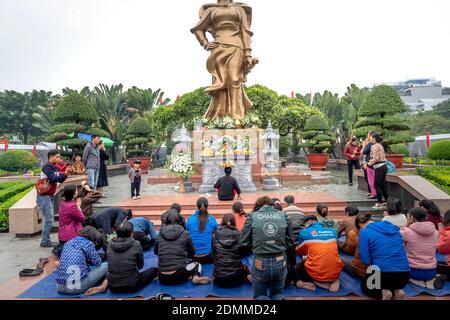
[49, 244]
[439, 282]
[350, 184]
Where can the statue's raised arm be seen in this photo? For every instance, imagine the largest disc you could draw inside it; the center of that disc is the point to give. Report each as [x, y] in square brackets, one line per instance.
[231, 56]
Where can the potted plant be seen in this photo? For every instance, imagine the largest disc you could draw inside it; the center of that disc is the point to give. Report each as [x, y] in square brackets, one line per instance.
[183, 168]
[318, 140]
[137, 142]
[380, 113]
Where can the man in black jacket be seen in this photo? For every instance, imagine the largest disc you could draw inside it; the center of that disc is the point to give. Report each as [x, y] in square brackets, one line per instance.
[227, 186]
[173, 246]
[109, 219]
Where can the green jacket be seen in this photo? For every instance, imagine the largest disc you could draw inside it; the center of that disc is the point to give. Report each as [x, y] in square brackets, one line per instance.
[267, 232]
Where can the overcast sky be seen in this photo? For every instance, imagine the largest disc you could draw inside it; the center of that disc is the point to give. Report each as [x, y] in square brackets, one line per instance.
[303, 45]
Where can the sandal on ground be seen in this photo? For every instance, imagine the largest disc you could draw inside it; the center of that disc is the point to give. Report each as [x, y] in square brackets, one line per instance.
[30, 272]
[42, 263]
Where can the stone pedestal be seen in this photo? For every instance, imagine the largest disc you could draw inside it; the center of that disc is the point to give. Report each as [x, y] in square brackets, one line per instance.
[242, 172]
[187, 185]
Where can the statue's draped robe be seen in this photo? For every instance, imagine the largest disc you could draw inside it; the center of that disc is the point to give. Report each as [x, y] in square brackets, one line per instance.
[230, 27]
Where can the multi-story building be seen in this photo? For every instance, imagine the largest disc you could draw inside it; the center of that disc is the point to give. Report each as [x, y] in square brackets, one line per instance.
[421, 94]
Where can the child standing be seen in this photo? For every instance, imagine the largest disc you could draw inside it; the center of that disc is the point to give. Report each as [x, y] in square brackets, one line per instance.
[135, 175]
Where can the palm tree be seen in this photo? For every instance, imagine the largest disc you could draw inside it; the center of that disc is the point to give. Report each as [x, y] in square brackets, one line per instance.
[110, 104]
[140, 101]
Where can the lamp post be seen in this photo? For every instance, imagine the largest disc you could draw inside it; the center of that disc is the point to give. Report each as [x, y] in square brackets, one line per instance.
[271, 150]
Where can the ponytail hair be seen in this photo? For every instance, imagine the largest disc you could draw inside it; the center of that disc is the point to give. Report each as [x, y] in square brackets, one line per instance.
[238, 208]
[202, 205]
[229, 221]
[322, 209]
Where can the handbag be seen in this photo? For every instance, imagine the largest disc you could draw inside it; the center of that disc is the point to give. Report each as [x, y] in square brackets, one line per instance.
[43, 186]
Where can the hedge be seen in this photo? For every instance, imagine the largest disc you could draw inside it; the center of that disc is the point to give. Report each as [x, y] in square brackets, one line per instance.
[400, 149]
[4, 206]
[17, 160]
[13, 190]
[437, 175]
[440, 150]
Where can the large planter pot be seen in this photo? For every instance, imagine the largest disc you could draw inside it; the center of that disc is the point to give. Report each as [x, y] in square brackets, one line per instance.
[318, 161]
[145, 163]
[396, 159]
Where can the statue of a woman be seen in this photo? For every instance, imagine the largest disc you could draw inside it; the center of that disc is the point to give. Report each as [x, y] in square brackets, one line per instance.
[231, 56]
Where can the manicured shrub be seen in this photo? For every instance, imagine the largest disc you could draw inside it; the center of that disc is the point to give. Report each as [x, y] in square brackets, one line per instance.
[17, 160]
[138, 137]
[317, 134]
[437, 175]
[4, 206]
[400, 149]
[380, 113]
[440, 150]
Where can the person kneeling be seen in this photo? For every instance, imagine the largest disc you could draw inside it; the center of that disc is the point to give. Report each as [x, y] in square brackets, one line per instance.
[80, 265]
[229, 271]
[173, 246]
[144, 232]
[323, 265]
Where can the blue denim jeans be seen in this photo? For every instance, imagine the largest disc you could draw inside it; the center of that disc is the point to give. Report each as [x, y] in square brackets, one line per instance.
[269, 276]
[92, 178]
[45, 204]
[95, 275]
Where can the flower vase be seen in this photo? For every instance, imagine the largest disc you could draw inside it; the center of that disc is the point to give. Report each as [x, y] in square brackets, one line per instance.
[182, 188]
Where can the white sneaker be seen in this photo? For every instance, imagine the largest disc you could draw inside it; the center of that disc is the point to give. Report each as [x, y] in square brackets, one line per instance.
[134, 198]
[139, 197]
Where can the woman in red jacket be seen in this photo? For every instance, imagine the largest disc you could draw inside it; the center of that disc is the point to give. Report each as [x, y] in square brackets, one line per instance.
[443, 247]
[352, 153]
[70, 216]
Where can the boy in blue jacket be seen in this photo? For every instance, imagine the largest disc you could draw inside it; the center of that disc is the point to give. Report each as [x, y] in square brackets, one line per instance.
[381, 247]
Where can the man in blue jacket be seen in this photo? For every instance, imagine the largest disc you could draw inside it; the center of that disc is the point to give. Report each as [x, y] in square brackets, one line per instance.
[144, 232]
[45, 201]
[381, 247]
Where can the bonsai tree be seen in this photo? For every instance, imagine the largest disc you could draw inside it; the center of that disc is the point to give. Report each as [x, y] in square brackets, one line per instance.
[73, 115]
[317, 134]
[138, 137]
[380, 112]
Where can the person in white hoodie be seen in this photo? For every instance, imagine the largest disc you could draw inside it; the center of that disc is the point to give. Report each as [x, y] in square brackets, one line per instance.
[421, 237]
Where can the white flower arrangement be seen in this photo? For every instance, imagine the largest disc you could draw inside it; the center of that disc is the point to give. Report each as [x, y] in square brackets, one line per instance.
[182, 166]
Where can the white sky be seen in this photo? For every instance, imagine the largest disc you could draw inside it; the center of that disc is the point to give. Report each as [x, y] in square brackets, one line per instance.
[302, 45]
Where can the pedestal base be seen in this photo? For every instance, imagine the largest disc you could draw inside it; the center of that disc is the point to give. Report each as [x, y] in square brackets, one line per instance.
[213, 171]
[187, 185]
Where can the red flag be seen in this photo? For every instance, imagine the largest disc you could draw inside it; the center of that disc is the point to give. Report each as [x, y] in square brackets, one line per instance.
[428, 140]
[35, 150]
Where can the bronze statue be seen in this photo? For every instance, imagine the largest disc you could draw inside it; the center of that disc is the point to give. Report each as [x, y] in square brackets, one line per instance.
[231, 56]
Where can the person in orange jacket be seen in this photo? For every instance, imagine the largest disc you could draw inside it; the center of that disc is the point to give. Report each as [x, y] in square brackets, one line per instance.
[323, 265]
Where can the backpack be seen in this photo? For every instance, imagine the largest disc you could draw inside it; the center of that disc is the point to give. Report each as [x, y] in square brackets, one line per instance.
[391, 167]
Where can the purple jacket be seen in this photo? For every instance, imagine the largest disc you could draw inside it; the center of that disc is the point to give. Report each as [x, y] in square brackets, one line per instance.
[70, 218]
[421, 240]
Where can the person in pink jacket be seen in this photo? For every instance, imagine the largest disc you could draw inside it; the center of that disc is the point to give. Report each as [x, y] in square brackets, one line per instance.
[420, 237]
[70, 216]
[443, 247]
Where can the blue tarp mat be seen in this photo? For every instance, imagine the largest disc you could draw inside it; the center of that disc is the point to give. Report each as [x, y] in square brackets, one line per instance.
[46, 288]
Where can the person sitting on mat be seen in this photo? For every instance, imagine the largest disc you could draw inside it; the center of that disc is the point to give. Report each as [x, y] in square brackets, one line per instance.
[125, 259]
[324, 219]
[345, 226]
[144, 232]
[420, 237]
[173, 247]
[201, 226]
[443, 247]
[239, 215]
[295, 215]
[394, 213]
[80, 266]
[355, 267]
[227, 187]
[229, 271]
[268, 234]
[381, 246]
[433, 212]
[322, 266]
[109, 219]
[70, 216]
